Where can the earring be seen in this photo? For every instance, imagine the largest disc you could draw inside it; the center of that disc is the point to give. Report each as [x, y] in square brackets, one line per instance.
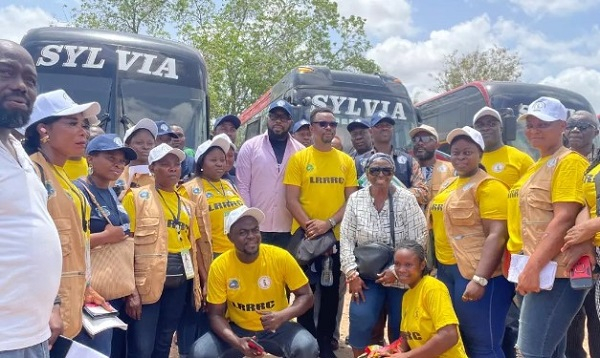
[45, 139]
[90, 170]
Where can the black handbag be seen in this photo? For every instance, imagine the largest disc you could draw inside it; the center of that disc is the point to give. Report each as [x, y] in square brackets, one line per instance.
[374, 258]
[175, 271]
[305, 251]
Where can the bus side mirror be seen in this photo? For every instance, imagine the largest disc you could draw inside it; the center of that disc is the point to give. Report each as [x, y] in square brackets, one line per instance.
[418, 114]
[509, 122]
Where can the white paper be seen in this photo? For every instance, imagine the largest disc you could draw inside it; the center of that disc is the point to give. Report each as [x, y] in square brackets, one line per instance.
[138, 169]
[517, 264]
[78, 350]
[94, 326]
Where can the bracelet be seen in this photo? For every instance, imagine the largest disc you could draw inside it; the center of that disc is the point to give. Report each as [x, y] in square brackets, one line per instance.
[332, 222]
[351, 276]
[57, 300]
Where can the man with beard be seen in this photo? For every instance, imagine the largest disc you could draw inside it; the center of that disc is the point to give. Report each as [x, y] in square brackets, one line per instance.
[425, 142]
[318, 181]
[260, 168]
[360, 136]
[500, 161]
[31, 257]
[582, 129]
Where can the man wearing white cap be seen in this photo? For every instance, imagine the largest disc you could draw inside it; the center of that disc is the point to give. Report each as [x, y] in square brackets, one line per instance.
[501, 161]
[248, 284]
[425, 143]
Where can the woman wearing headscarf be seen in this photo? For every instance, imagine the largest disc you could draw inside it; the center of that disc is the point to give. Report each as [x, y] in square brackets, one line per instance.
[469, 228]
[167, 264]
[542, 207]
[367, 221]
[56, 132]
[111, 245]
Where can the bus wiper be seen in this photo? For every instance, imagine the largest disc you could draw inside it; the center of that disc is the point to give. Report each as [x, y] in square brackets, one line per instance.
[126, 122]
[104, 120]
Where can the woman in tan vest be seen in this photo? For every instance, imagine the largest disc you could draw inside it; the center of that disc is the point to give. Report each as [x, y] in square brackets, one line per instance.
[167, 264]
[57, 131]
[542, 206]
[469, 227]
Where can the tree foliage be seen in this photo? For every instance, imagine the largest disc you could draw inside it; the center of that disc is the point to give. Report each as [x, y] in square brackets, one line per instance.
[495, 64]
[248, 44]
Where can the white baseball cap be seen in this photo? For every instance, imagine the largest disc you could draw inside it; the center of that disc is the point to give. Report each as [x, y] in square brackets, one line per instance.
[547, 109]
[486, 111]
[144, 123]
[424, 128]
[161, 150]
[222, 141]
[239, 213]
[469, 132]
[57, 103]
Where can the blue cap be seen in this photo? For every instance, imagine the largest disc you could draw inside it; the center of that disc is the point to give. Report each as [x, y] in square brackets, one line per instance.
[165, 129]
[281, 104]
[299, 125]
[381, 116]
[233, 119]
[109, 142]
[359, 123]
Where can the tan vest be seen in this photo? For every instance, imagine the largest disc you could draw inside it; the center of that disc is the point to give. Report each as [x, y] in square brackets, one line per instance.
[195, 192]
[150, 238]
[464, 227]
[441, 172]
[535, 202]
[139, 180]
[72, 240]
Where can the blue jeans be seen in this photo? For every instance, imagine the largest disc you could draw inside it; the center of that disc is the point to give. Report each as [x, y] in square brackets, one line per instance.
[151, 336]
[192, 326]
[364, 315]
[102, 342]
[545, 319]
[36, 351]
[481, 322]
[289, 341]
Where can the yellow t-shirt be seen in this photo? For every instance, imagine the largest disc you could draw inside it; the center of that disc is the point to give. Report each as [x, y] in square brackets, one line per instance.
[76, 169]
[170, 209]
[507, 164]
[222, 199]
[426, 309]
[589, 190]
[491, 199]
[567, 187]
[251, 288]
[322, 178]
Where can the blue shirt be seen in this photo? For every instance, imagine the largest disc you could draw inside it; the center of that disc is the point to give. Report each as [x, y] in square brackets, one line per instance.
[109, 203]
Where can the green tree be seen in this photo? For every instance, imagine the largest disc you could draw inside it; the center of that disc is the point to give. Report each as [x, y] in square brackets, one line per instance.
[494, 64]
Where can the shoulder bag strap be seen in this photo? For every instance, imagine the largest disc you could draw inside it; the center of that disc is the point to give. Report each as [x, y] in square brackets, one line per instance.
[95, 201]
[392, 221]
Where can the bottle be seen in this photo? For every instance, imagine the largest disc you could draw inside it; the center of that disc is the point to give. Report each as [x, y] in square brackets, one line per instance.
[327, 272]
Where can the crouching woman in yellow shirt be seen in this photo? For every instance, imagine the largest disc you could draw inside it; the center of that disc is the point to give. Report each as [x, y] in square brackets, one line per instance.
[429, 325]
[167, 264]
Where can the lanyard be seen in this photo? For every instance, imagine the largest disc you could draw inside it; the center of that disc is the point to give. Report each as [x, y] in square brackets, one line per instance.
[222, 192]
[176, 220]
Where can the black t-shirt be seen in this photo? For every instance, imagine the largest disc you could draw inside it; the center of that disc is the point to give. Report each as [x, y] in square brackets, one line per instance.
[278, 148]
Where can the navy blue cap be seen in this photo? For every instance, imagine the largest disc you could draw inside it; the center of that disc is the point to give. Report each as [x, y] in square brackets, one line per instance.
[233, 119]
[359, 123]
[381, 116]
[281, 104]
[165, 129]
[109, 142]
[299, 125]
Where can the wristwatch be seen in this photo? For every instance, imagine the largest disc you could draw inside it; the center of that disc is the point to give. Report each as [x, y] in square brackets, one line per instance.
[332, 222]
[480, 280]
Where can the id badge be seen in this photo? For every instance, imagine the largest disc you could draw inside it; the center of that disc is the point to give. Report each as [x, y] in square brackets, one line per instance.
[225, 215]
[187, 264]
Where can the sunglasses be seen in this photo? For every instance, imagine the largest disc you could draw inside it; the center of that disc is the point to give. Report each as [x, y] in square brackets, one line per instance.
[582, 126]
[386, 171]
[325, 124]
[423, 139]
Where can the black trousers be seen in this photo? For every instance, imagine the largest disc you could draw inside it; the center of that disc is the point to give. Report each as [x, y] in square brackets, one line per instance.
[280, 239]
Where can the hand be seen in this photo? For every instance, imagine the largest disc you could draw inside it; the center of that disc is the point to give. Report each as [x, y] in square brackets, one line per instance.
[246, 350]
[56, 325]
[204, 293]
[473, 292]
[316, 228]
[91, 296]
[578, 234]
[271, 321]
[114, 234]
[574, 253]
[355, 288]
[387, 277]
[133, 306]
[528, 281]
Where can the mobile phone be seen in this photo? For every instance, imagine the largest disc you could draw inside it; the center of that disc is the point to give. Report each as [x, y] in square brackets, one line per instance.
[257, 347]
[581, 274]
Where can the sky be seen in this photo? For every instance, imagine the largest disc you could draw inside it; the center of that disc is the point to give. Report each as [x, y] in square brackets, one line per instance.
[558, 40]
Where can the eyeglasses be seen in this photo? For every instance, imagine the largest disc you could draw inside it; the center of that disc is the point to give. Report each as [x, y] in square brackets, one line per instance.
[386, 171]
[279, 116]
[582, 126]
[325, 124]
[422, 139]
[490, 124]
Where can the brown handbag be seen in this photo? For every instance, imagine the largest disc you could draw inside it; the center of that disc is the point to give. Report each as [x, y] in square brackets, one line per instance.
[112, 264]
